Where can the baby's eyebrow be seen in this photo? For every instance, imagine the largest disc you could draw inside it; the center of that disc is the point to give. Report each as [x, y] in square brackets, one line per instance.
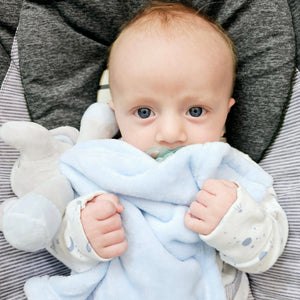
[199, 100]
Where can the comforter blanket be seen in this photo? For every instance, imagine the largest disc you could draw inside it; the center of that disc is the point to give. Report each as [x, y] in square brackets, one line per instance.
[164, 259]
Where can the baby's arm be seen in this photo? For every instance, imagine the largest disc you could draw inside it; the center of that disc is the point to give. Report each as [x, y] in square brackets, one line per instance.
[90, 233]
[251, 236]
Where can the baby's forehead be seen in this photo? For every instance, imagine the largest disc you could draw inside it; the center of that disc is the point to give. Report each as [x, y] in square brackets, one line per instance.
[178, 26]
[201, 35]
[179, 29]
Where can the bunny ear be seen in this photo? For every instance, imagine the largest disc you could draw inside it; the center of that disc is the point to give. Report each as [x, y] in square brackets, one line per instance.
[98, 122]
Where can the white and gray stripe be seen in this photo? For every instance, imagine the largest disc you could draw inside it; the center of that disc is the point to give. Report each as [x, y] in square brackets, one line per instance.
[17, 266]
[282, 161]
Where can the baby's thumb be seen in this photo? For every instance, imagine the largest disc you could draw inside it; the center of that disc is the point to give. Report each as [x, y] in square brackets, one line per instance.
[120, 208]
[115, 200]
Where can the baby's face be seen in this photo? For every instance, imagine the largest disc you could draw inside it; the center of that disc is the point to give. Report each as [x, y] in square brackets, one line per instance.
[170, 92]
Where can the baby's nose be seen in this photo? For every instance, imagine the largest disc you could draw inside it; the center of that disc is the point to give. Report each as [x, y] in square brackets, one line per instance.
[171, 133]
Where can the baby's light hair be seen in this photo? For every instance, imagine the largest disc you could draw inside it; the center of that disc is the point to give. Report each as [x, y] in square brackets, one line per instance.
[172, 16]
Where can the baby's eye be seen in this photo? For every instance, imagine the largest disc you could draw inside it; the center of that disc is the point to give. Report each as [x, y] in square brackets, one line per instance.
[144, 112]
[196, 111]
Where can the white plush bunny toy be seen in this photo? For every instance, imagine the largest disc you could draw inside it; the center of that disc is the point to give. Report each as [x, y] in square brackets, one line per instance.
[30, 221]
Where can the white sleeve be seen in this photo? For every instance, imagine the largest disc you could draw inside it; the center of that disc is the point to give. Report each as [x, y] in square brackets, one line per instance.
[251, 236]
[70, 244]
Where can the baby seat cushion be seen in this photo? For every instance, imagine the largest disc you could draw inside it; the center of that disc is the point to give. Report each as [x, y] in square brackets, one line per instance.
[9, 13]
[295, 11]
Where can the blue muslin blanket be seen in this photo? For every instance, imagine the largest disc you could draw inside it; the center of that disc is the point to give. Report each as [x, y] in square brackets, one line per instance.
[164, 259]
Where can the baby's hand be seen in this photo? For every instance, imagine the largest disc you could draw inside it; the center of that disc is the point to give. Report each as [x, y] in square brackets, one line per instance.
[102, 225]
[213, 202]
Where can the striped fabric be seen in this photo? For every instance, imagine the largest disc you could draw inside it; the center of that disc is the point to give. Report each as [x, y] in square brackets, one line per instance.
[282, 281]
[17, 266]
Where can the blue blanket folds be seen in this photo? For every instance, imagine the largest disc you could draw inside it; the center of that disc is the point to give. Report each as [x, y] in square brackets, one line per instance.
[164, 259]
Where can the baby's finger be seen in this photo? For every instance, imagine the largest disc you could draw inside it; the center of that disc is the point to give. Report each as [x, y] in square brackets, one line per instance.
[102, 207]
[113, 250]
[204, 198]
[114, 237]
[114, 199]
[196, 225]
[211, 186]
[197, 210]
[110, 224]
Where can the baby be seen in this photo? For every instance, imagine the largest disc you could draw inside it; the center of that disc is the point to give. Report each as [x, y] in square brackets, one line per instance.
[171, 74]
[171, 79]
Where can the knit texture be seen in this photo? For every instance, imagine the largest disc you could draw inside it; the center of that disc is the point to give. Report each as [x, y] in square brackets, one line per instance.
[295, 11]
[9, 18]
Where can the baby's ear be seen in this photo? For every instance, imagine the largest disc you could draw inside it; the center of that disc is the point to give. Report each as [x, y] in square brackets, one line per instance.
[111, 105]
[230, 103]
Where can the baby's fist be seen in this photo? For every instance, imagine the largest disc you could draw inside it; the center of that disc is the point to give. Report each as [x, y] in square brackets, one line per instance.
[212, 203]
[102, 225]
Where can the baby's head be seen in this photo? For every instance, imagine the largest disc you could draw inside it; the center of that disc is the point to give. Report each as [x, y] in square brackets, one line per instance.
[171, 78]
